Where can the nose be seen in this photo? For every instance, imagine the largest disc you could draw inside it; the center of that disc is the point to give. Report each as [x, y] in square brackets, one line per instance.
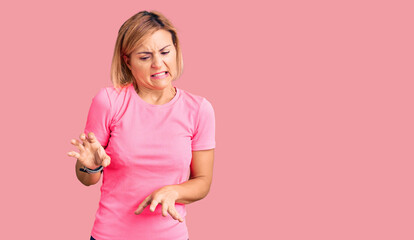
[157, 61]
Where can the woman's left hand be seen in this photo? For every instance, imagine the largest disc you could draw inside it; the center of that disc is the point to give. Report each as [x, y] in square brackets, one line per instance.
[166, 196]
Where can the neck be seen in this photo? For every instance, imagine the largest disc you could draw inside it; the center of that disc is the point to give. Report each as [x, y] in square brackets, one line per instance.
[155, 97]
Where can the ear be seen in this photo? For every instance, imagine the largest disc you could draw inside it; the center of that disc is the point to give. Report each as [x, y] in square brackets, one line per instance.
[126, 60]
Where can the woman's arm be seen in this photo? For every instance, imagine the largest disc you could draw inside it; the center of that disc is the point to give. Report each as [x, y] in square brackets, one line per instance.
[194, 189]
[86, 179]
[198, 186]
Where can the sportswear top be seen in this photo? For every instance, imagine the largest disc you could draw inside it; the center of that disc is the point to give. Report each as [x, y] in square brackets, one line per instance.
[150, 147]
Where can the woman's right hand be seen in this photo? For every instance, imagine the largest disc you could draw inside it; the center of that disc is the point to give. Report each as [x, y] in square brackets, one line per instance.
[91, 154]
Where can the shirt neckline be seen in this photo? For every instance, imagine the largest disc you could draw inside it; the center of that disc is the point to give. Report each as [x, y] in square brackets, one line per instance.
[144, 103]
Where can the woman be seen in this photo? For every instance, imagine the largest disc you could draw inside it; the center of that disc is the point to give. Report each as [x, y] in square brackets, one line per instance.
[153, 143]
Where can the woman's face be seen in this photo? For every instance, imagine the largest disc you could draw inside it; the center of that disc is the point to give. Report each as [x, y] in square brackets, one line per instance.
[154, 62]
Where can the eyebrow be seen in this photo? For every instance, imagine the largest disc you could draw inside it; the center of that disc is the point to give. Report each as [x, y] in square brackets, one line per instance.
[151, 52]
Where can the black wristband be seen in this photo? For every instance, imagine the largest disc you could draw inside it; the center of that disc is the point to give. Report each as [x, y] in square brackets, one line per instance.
[88, 170]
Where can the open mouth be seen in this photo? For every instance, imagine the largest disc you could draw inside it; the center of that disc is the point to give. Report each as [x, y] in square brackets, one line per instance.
[159, 74]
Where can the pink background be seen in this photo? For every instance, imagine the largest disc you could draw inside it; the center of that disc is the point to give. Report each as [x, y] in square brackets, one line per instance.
[313, 103]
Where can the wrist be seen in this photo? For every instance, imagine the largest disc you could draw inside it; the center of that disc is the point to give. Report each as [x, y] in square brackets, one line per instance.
[176, 190]
[90, 171]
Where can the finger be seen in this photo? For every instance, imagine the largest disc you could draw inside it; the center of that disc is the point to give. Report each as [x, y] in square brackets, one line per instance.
[92, 137]
[165, 209]
[84, 140]
[103, 158]
[82, 137]
[73, 154]
[144, 204]
[77, 144]
[154, 204]
[174, 214]
[106, 161]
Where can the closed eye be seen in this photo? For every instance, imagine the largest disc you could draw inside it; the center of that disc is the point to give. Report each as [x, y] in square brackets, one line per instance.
[163, 53]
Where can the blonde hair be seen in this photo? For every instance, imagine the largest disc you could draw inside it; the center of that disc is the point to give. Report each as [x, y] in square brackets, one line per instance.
[131, 35]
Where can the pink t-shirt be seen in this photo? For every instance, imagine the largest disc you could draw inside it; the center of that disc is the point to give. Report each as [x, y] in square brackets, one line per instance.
[150, 147]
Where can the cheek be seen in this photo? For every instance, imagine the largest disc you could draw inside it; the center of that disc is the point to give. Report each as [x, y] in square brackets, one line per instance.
[139, 69]
[172, 63]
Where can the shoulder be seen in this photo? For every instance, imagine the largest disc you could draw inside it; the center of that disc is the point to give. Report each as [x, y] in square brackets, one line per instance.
[111, 100]
[115, 93]
[111, 95]
[194, 101]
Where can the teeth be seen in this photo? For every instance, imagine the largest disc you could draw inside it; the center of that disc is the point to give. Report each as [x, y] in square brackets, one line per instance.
[159, 74]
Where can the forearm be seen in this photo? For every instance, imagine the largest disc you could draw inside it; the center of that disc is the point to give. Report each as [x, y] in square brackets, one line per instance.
[193, 190]
[86, 179]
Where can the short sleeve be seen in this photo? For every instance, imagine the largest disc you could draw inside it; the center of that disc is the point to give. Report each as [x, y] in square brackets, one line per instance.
[204, 134]
[99, 117]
